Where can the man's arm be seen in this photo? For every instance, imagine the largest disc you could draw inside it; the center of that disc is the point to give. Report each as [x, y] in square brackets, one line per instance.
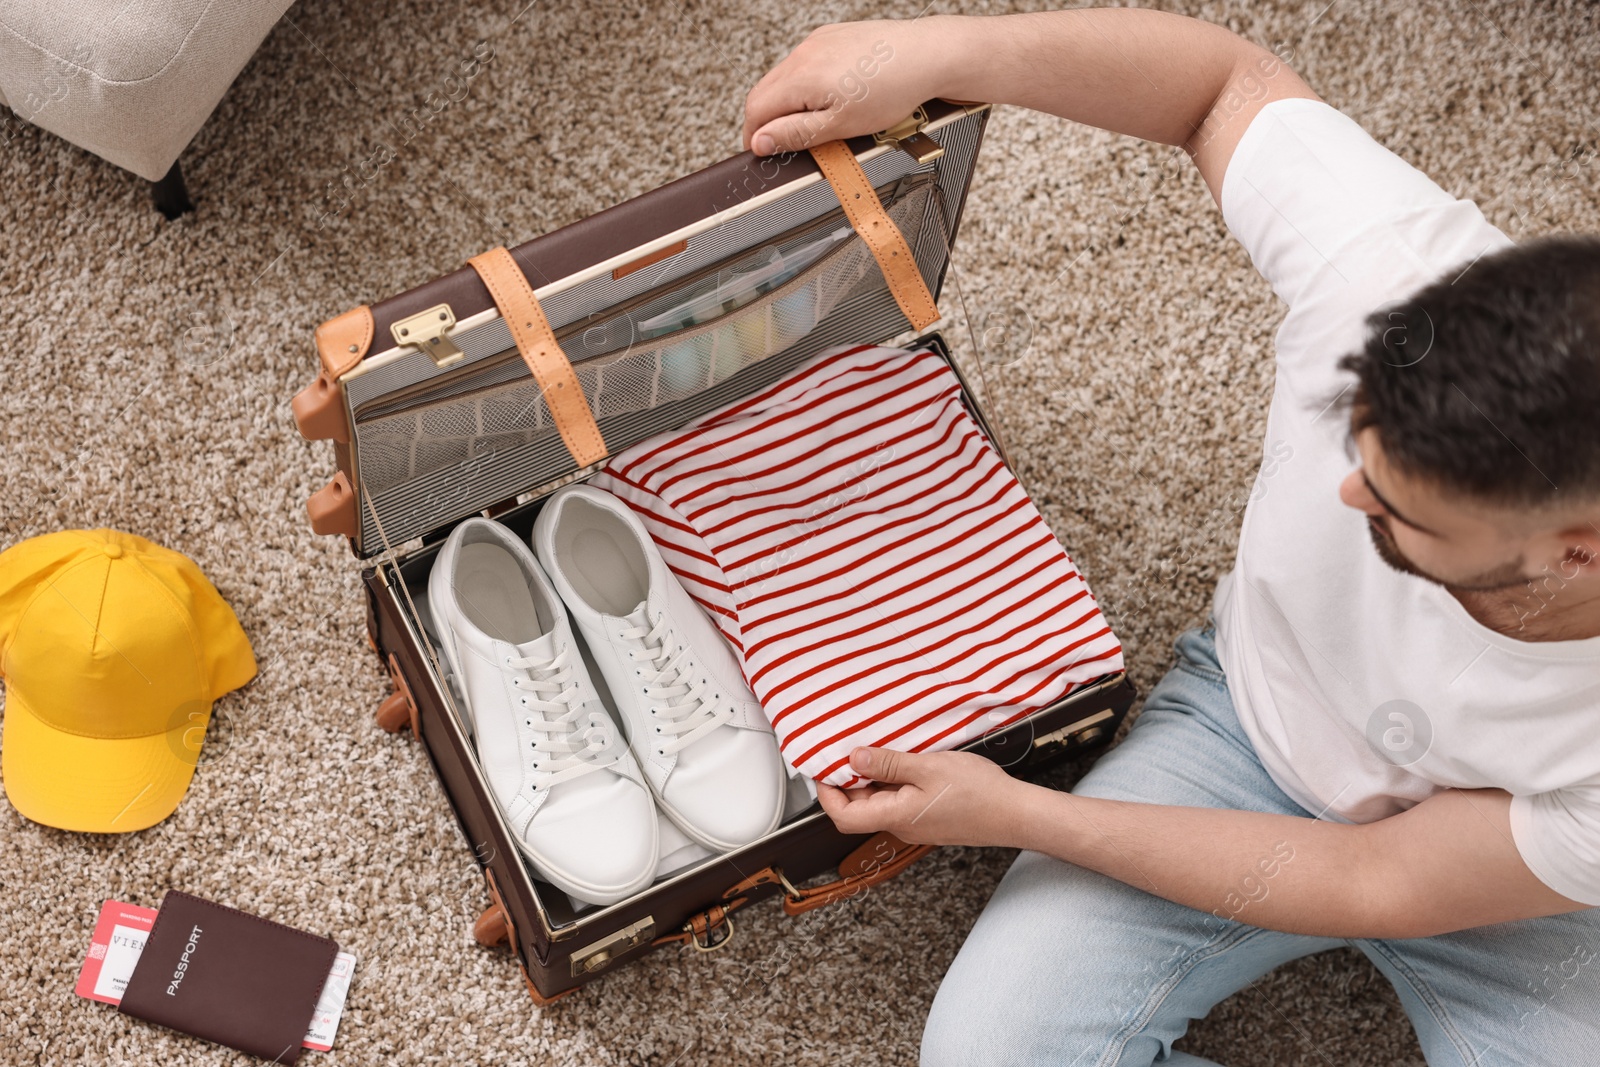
[1148, 74]
[1447, 864]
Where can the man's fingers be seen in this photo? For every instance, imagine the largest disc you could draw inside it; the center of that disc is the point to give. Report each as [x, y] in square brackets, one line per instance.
[832, 798]
[841, 81]
[885, 765]
[763, 103]
[791, 133]
[861, 811]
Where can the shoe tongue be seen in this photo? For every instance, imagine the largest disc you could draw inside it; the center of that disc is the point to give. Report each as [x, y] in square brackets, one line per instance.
[540, 649]
[639, 616]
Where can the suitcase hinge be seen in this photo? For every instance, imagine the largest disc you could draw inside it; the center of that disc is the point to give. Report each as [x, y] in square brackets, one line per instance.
[430, 331]
[907, 136]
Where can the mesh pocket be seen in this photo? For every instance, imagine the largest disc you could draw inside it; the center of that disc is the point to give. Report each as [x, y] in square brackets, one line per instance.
[428, 461]
[493, 420]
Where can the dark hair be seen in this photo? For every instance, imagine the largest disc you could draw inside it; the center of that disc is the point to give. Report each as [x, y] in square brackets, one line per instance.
[1487, 382]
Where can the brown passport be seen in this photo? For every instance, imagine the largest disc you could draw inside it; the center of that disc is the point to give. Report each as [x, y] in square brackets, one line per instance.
[229, 977]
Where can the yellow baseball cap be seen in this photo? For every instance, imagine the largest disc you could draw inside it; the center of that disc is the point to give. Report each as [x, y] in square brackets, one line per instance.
[112, 649]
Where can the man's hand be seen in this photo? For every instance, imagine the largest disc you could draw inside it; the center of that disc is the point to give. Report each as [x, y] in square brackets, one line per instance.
[1150, 74]
[1447, 864]
[929, 798]
[843, 80]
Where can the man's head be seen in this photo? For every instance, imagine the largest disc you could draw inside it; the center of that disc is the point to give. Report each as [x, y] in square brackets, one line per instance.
[1477, 419]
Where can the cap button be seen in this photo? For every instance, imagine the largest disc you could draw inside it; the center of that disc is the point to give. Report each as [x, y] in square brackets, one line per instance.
[113, 550]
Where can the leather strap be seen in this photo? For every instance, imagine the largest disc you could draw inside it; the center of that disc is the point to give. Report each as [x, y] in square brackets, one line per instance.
[880, 857]
[703, 924]
[867, 216]
[537, 344]
[765, 876]
[832, 892]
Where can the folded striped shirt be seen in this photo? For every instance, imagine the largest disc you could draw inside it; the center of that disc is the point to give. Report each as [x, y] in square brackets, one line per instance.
[878, 570]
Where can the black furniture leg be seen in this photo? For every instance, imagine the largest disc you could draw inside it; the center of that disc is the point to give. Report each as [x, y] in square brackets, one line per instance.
[171, 196]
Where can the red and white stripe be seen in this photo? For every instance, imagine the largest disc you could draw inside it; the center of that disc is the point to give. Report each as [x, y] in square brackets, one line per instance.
[880, 573]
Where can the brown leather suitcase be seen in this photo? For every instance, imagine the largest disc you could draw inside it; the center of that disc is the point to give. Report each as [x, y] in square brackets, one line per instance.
[434, 418]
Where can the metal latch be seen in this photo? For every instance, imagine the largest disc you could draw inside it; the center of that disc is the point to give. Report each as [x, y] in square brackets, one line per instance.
[907, 136]
[1083, 732]
[591, 958]
[430, 331]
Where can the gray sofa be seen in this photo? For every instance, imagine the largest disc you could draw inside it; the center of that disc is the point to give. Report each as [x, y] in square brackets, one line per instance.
[129, 80]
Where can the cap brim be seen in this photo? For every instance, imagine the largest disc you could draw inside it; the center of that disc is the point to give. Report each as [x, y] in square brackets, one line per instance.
[90, 784]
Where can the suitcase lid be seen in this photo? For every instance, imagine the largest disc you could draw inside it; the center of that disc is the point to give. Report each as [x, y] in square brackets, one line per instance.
[435, 418]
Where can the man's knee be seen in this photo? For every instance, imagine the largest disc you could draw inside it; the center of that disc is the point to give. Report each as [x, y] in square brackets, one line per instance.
[1020, 990]
[965, 1024]
[1065, 962]
[978, 1020]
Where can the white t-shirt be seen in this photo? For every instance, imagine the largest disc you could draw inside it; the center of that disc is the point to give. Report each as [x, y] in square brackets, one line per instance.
[1333, 658]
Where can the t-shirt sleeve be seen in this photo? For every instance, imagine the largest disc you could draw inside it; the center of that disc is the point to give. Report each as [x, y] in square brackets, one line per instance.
[1558, 836]
[1339, 226]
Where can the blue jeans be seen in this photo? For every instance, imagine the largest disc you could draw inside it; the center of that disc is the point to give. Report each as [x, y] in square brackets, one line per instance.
[1068, 967]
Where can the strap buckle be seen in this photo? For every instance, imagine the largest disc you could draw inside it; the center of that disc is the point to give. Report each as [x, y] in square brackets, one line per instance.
[716, 934]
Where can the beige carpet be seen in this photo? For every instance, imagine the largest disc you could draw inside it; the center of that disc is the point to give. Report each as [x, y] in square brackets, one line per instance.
[149, 367]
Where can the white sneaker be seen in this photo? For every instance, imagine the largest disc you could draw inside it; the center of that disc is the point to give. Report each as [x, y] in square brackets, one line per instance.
[563, 778]
[697, 730]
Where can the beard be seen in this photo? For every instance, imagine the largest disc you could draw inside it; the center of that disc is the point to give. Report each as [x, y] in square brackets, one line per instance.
[1498, 579]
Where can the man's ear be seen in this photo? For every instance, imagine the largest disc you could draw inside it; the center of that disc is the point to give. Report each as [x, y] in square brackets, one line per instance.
[1583, 544]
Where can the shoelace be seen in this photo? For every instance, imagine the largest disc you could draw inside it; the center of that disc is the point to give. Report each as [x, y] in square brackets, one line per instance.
[686, 712]
[568, 747]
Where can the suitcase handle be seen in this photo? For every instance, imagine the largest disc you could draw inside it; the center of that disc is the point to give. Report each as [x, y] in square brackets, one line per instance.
[880, 857]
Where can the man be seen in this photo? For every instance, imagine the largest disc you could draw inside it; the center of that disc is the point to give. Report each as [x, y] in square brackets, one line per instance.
[1391, 739]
